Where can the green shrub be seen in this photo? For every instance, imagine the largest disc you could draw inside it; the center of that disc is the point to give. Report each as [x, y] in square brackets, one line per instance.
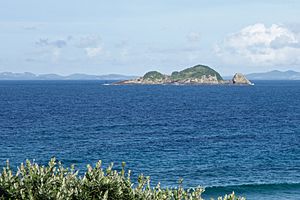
[35, 182]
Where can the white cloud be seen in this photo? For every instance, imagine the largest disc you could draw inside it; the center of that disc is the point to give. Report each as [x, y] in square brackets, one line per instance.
[91, 44]
[260, 45]
[93, 51]
[88, 41]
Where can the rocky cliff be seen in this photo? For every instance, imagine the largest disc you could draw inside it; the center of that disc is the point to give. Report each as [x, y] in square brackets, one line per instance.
[239, 78]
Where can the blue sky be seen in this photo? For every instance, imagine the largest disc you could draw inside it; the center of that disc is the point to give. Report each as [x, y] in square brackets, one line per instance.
[132, 37]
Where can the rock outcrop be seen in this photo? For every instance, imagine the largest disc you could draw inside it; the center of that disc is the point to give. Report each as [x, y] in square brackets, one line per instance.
[239, 78]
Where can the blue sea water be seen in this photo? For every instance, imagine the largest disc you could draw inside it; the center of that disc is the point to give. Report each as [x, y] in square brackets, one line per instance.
[241, 138]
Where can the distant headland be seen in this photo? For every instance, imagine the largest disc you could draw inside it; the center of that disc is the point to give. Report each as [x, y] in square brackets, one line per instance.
[197, 75]
[41, 77]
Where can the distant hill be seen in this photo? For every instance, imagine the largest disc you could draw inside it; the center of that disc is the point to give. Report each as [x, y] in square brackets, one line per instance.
[275, 75]
[31, 76]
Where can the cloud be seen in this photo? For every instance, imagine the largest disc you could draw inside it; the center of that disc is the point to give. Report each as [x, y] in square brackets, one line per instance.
[31, 26]
[56, 54]
[88, 41]
[260, 45]
[193, 37]
[91, 44]
[93, 51]
[87, 46]
[55, 43]
[52, 54]
[49, 49]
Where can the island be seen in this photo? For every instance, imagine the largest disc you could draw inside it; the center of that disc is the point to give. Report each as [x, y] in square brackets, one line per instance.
[197, 75]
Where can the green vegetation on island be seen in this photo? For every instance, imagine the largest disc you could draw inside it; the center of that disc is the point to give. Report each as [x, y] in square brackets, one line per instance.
[196, 72]
[54, 182]
[154, 75]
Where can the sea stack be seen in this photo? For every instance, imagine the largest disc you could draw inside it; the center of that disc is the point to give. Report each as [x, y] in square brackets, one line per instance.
[239, 78]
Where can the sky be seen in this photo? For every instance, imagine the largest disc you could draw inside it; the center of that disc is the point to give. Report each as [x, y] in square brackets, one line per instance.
[136, 36]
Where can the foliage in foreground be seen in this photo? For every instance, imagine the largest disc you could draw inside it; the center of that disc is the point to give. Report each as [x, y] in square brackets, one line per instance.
[56, 182]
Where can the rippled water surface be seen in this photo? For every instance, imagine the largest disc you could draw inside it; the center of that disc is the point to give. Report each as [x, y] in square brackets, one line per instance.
[244, 138]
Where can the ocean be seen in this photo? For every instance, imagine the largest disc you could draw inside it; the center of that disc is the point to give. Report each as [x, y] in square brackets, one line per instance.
[227, 138]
